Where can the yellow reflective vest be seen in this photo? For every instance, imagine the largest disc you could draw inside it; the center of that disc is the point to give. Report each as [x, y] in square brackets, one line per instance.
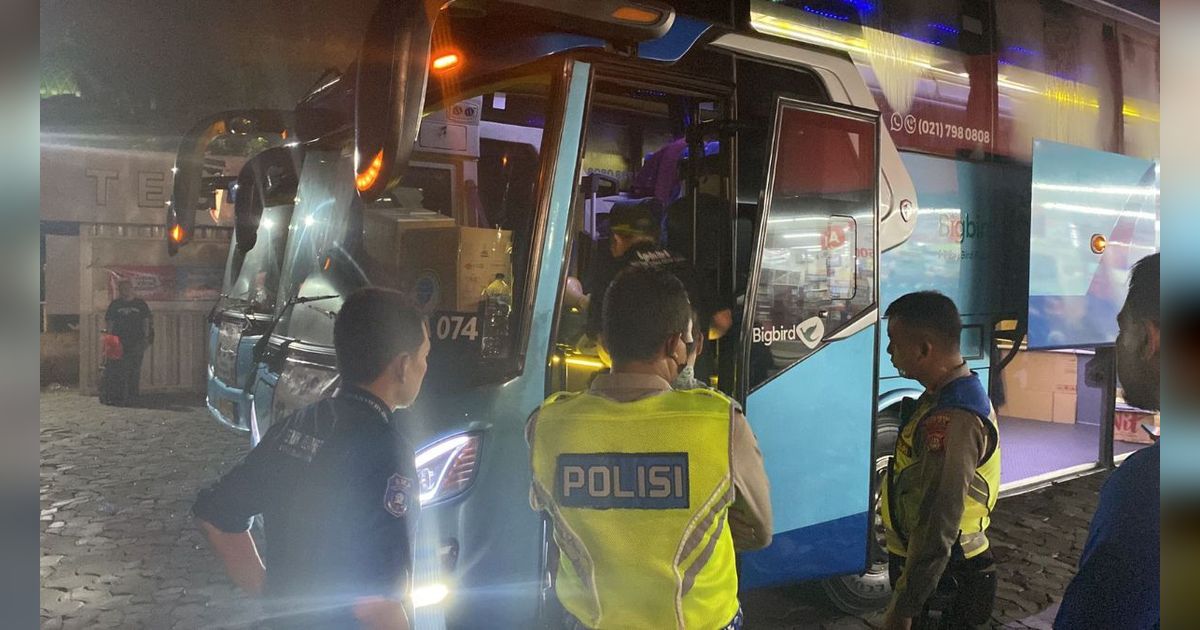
[639, 493]
[902, 493]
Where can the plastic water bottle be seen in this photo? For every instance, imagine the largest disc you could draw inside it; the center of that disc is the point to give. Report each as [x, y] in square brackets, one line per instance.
[497, 306]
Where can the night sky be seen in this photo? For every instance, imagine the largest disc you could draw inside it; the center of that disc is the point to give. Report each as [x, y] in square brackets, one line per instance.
[191, 58]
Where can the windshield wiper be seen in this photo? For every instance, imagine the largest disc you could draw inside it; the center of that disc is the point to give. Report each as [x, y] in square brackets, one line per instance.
[264, 341]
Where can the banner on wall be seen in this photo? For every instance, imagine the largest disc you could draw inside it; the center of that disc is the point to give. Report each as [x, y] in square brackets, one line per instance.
[168, 283]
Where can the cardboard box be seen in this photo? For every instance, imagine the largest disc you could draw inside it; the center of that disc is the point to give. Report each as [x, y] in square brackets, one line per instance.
[1041, 386]
[445, 266]
[1127, 425]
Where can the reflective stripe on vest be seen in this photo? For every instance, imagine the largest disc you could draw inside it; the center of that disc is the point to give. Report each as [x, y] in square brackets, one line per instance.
[639, 493]
[901, 498]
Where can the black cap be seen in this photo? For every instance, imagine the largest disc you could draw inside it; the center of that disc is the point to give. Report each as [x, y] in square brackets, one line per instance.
[635, 217]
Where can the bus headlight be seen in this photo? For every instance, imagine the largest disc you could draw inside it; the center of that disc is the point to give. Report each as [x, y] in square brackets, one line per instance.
[446, 468]
[429, 595]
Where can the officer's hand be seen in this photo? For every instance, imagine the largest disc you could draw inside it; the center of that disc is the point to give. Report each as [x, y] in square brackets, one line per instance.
[379, 613]
[743, 531]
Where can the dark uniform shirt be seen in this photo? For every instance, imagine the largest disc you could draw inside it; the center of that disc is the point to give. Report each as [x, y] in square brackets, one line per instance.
[1117, 585]
[649, 254]
[127, 319]
[337, 487]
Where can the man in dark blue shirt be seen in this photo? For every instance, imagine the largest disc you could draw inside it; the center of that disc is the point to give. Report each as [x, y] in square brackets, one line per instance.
[1117, 585]
[335, 483]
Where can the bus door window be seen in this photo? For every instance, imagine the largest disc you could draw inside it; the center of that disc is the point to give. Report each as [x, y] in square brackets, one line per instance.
[816, 271]
[636, 148]
[758, 85]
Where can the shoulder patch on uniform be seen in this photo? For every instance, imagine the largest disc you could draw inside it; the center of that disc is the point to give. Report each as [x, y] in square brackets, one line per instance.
[395, 500]
[935, 427]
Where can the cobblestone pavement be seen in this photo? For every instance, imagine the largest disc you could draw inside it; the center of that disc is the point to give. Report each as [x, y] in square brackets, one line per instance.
[119, 549]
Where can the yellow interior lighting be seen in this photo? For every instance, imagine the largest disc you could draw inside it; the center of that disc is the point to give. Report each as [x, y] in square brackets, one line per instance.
[177, 233]
[446, 61]
[588, 362]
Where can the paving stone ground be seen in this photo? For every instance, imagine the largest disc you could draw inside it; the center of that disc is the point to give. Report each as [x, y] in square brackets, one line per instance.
[119, 549]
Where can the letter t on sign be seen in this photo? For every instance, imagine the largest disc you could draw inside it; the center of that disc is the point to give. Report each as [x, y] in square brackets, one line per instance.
[102, 176]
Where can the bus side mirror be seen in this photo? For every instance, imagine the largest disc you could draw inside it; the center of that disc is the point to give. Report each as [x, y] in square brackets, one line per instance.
[389, 91]
[193, 190]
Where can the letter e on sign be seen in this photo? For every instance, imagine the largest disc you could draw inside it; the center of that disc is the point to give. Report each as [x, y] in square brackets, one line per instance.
[152, 190]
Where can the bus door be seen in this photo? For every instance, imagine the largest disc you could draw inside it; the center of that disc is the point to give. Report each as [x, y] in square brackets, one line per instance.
[810, 338]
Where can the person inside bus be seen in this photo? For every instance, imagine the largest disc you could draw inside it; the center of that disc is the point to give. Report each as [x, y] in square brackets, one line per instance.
[336, 484]
[650, 490]
[944, 479]
[1117, 585]
[635, 242]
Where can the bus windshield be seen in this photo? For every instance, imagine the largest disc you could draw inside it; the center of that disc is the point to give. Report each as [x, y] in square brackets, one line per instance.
[252, 276]
[456, 227]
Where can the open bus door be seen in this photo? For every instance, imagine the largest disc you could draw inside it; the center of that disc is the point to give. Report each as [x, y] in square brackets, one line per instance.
[811, 341]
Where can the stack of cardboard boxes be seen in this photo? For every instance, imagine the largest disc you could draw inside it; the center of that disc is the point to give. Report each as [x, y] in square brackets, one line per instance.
[444, 265]
[1041, 386]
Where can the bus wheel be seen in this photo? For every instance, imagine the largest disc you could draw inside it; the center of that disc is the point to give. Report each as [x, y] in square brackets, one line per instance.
[859, 594]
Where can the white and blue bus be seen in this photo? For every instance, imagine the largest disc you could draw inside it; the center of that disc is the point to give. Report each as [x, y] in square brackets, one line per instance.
[471, 139]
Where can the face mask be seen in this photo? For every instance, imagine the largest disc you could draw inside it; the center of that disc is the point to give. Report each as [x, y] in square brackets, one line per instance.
[686, 378]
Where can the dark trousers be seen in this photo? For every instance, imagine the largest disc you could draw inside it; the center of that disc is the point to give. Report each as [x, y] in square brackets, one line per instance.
[121, 380]
[964, 597]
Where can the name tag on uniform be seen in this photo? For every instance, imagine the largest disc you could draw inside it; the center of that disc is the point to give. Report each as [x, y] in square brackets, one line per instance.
[638, 481]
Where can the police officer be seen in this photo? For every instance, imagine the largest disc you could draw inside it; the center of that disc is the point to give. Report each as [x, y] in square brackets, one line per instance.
[650, 490]
[635, 233]
[335, 483]
[943, 481]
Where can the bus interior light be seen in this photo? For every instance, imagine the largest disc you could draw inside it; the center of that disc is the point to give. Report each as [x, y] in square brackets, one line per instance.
[637, 15]
[446, 61]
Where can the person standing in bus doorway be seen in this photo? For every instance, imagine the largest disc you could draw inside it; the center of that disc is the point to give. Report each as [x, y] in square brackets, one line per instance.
[635, 230]
[335, 483]
[944, 478]
[650, 490]
[1117, 585]
[128, 317]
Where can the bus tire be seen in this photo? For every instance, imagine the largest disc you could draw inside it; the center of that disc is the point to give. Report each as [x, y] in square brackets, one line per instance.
[870, 591]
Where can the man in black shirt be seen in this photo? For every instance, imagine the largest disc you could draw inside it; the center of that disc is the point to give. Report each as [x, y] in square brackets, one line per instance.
[635, 228]
[336, 485]
[128, 317]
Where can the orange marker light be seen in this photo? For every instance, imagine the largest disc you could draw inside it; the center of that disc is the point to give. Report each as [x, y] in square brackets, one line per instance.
[445, 61]
[177, 233]
[367, 178]
[1099, 243]
[636, 15]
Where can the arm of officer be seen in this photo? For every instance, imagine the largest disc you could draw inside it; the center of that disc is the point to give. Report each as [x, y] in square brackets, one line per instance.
[223, 511]
[750, 514]
[950, 444]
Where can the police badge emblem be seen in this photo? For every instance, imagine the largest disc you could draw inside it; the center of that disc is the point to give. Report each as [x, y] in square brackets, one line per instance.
[395, 501]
